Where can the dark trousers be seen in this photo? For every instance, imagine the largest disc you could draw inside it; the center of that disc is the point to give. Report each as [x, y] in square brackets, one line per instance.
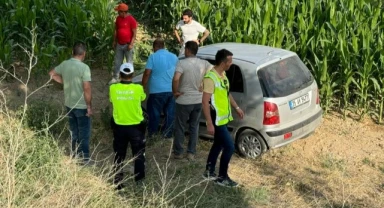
[222, 142]
[156, 104]
[183, 114]
[135, 135]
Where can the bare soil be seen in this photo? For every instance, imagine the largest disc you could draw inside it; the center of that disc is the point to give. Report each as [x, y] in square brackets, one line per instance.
[340, 165]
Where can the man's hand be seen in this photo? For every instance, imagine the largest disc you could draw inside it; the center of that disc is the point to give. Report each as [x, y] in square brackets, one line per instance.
[240, 113]
[177, 94]
[130, 46]
[210, 129]
[89, 112]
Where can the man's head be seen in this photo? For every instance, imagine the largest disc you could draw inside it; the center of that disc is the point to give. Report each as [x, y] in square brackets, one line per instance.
[79, 49]
[224, 59]
[158, 44]
[187, 16]
[126, 71]
[122, 9]
[191, 48]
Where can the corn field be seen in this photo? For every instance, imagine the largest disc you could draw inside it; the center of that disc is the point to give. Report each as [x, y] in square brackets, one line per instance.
[340, 41]
[59, 24]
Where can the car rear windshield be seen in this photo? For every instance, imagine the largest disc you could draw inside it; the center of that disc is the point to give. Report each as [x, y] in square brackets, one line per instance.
[284, 77]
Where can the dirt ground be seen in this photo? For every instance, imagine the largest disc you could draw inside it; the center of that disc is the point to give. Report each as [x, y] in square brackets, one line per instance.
[340, 165]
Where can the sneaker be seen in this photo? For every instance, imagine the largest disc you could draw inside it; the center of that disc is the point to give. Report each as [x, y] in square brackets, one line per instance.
[209, 176]
[190, 157]
[177, 157]
[113, 80]
[226, 182]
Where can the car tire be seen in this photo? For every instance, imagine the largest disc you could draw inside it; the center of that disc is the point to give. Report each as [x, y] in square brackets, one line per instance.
[250, 144]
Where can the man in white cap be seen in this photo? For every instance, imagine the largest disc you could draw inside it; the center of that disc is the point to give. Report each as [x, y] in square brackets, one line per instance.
[128, 123]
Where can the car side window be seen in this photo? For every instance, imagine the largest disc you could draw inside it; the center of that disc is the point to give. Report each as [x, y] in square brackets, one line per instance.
[235, 77]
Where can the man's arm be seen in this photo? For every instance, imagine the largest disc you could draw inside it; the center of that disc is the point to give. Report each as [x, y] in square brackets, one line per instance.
[237, 108]
[55, 76]
[205, 35]
[177, 36]
[207, 112]
[175, 84]
[134, 32]
[145, 79]
[88, 97]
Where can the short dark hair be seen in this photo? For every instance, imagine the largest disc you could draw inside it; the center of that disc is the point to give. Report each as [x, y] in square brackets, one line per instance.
[192, 47]
[222, 55]
[126, 76]
[188, 12]
[79, 48]
[158, 43]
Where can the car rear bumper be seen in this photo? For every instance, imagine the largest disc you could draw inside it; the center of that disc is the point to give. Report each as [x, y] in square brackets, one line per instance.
[276, 139]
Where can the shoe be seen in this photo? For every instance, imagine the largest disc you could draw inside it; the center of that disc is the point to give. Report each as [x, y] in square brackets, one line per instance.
[190, 157]
[226, 182]
[113, 80]
[177, 157]
[209, 176]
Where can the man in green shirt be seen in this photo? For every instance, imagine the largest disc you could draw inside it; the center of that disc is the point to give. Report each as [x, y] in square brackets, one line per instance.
[128, 123]
[76, 78]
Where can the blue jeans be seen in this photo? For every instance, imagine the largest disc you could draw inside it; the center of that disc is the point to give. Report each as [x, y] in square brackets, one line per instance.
[183, 114]
[222, 142]
[80, 126]
[158, 103]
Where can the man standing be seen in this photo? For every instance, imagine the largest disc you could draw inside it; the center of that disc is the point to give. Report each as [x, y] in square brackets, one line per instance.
[216, 92]
[76, 77]
[190, 30]
[186, 87]
[128, 123]
[123, 39]
[157, 80]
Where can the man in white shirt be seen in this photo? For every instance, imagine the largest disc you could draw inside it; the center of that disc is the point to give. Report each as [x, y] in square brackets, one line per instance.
[190, 30]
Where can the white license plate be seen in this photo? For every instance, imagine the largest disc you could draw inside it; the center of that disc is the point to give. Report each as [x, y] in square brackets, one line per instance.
[299, 101]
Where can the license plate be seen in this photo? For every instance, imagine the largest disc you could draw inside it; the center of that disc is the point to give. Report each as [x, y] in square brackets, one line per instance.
[299, 101]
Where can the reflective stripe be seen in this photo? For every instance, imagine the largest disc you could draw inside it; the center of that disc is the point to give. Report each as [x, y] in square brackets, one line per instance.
[220, 100]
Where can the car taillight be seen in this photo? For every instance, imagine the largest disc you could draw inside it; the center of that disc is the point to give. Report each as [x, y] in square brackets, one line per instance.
[318, 97]
[271, 114]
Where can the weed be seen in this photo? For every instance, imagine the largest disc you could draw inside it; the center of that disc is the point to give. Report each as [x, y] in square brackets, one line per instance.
[331, 162]
[260, 195]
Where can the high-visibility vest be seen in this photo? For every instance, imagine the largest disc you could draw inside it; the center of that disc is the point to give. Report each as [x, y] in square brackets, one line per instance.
[126, 100]
[220, 99]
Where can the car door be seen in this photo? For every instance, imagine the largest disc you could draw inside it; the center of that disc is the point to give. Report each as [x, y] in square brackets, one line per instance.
[236, 83]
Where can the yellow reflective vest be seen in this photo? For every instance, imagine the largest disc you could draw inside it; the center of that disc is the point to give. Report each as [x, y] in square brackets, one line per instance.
[126, 99]
[220, 99]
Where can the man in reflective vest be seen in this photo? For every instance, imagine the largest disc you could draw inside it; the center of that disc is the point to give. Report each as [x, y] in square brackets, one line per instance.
[217, 104]
[128, 123]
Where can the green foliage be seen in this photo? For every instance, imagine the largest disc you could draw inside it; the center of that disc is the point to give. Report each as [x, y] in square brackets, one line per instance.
[340, 41]
[59, 25]
[41, 115]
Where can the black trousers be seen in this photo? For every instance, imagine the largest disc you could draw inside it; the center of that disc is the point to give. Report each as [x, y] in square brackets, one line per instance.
[135, 135]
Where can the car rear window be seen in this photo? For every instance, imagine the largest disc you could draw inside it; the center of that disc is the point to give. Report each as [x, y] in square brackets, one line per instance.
[284, 77]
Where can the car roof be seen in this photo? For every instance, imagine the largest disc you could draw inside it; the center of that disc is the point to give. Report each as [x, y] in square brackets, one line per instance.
[256, 54]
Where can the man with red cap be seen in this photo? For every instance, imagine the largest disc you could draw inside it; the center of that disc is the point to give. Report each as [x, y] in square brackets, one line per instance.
[123, 39]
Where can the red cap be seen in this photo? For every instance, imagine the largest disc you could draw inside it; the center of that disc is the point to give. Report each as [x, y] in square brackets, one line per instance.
[122, 7]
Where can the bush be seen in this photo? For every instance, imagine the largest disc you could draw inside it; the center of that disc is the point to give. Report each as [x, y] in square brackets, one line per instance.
[41, 115]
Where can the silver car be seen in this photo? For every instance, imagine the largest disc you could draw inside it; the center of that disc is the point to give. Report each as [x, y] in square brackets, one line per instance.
[276, 91]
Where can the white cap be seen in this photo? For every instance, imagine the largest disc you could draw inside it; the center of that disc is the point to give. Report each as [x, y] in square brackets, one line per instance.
[125, 66]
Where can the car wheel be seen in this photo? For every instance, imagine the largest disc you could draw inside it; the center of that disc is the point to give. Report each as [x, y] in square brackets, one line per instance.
[250, 144]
